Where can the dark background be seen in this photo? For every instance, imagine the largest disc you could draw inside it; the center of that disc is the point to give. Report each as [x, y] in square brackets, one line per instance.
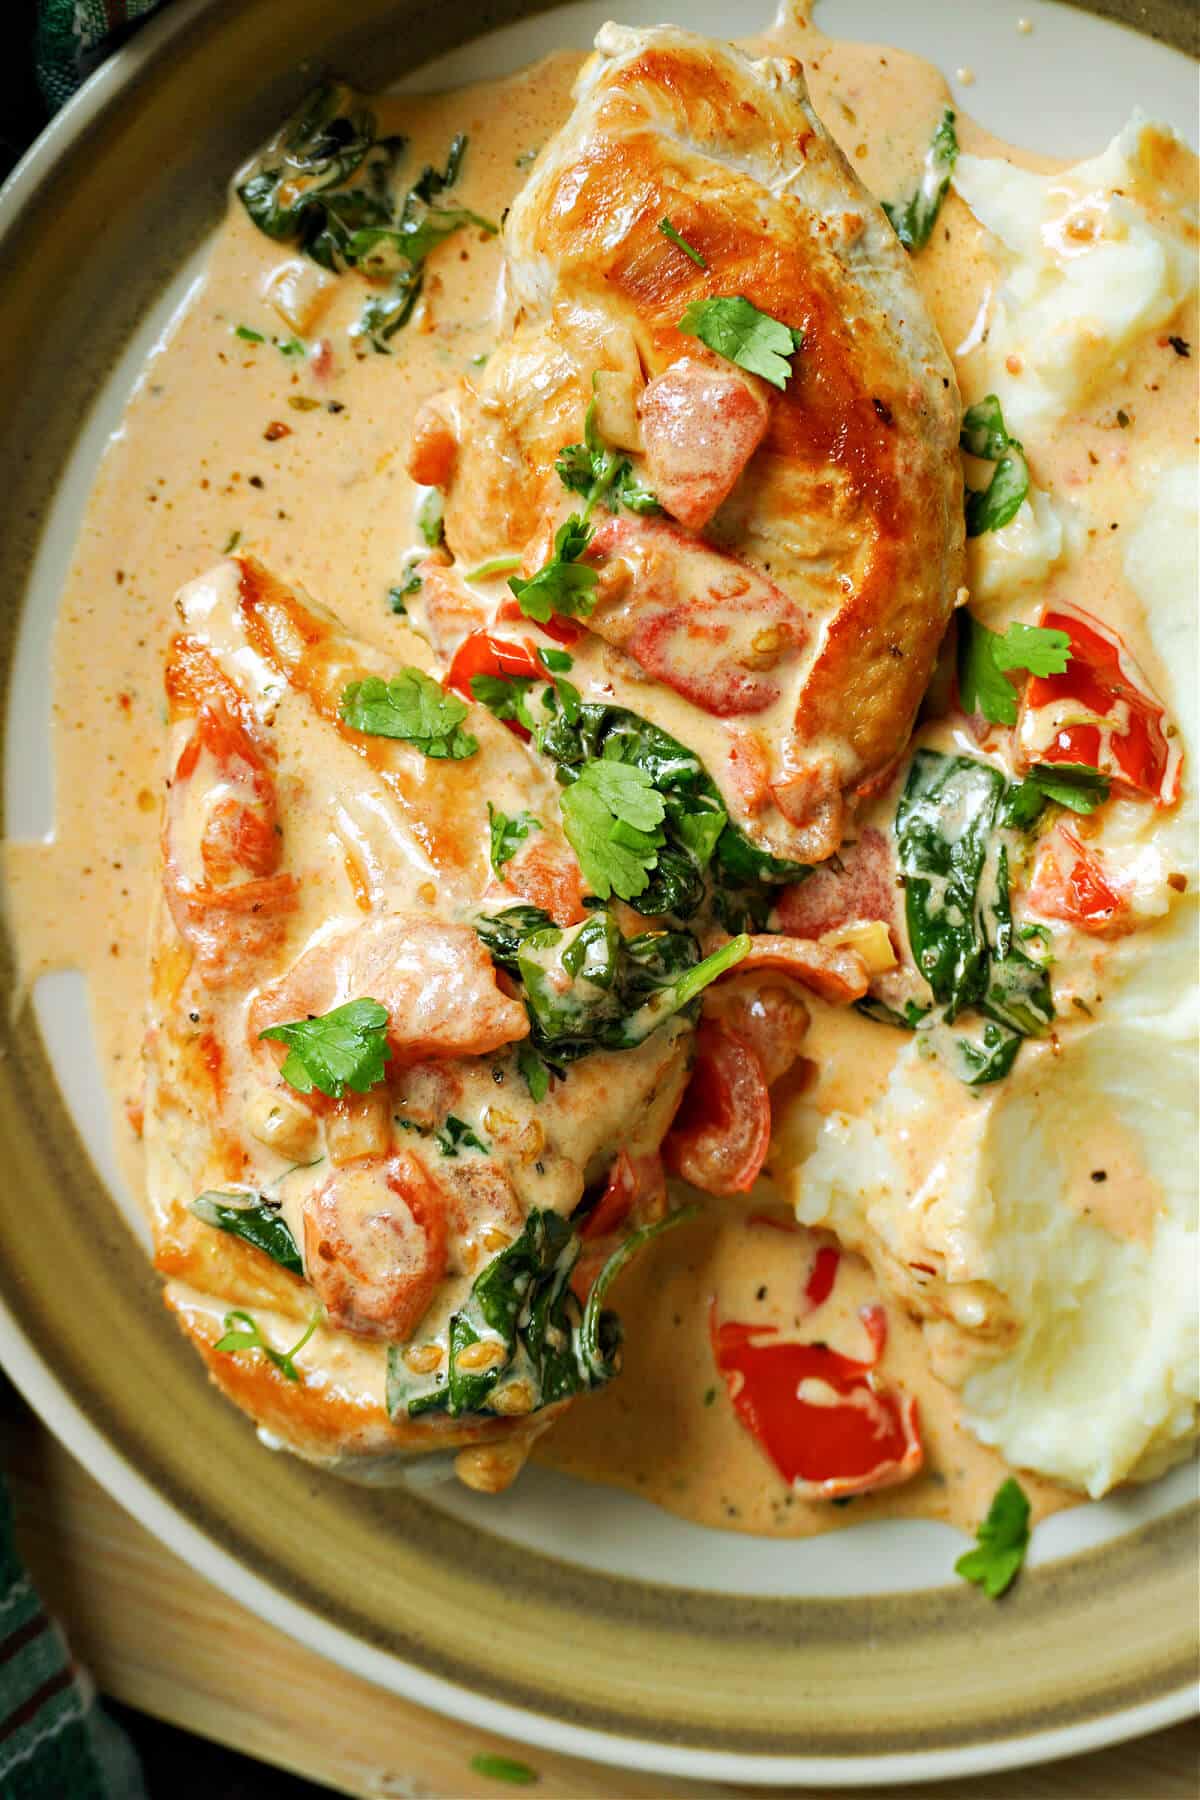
[177, 1766]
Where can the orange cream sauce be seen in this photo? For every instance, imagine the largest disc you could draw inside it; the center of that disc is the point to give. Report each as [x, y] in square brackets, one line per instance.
[225, 440]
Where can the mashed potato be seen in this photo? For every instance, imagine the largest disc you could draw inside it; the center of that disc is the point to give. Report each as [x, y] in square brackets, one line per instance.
[1095, 261]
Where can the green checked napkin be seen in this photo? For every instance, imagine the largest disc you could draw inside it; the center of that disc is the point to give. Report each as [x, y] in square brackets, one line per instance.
[74, 36]
[55, 1743]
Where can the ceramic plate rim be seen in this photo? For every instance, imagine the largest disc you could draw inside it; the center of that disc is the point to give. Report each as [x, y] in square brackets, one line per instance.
[42, 1390]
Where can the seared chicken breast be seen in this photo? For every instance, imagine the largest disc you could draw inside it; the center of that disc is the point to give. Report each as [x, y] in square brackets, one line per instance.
[405, 1093]
[775, 590]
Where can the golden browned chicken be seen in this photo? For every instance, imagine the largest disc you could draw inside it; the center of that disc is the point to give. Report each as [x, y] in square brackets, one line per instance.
[713, 353]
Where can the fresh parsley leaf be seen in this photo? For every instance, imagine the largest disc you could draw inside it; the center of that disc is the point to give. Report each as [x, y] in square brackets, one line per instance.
[399, 596]
[242, 1333]
[564, 584]
[1002, 1540]
[633, 494]
[507, 835]
[495, 565]
[345, 1048]
[612, 816]
[394, 249]
[985, 658]
[602, 474]
[535, 1072]
[681, 243]
[733, 327]
[985, 435]
[557, 661]
[429, 519]
[455, 1135]
[569, 699]
[913, 220]
[505, 696]
[253, 1219]
[413, 707]
[1076, 786]
[433, 182]
[503, 1768]
[1040, 649]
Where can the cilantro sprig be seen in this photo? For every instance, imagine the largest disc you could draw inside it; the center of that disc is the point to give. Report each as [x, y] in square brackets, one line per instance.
[564, 584]
[913, 220]
[984, 434]
[456, 1134]
[733, 327]
[1001, 1542]
[507, 833]
[242, 1333]
[1077, 786]
[612, 817]
[986, 659]
[602, 474]
[345, 1048]
[681, 243]
[413, 708]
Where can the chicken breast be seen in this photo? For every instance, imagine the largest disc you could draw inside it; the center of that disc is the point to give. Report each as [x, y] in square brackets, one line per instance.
[782, 614]
[313, 862]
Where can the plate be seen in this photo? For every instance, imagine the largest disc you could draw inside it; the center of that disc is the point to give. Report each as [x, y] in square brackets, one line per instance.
[574, 1618]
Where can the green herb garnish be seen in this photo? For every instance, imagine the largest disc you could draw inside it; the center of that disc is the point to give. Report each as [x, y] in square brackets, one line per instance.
[611, 819]
[733, 327]
[412, 707]
[241, 1333]
[681, 243]
[986, 658]
[1002, 1541]
[345, 1048]
[913, 220]
[985, 435]
[508, 834]
[503, 1768]
[455, 1135]
[563, 585]
[254, 1220]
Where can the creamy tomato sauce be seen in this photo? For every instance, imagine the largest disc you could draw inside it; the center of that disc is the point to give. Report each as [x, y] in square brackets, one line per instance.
[301, 462]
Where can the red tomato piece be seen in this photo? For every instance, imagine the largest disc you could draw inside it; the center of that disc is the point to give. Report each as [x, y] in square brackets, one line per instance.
[819, 1285]
[633, 1181]
[1069, 883]
[722, 1131]
[701, 423]
[1129, 744]
[562, 630]
[483, 654]
[838, 976]
[828, 1424]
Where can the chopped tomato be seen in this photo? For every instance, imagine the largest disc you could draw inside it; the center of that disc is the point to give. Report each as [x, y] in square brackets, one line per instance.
[862, 885]
[1100, 711]
[771, 1017]
[562, 630]
[545, 872]
[827, 1422]
[632, 1181]
[721, 1132]
[701, 620]
[483, 654]
[1069, 882]
[701, 423]
[836, 975]
[819, 1285]
[823, 1274]
[375, 1245]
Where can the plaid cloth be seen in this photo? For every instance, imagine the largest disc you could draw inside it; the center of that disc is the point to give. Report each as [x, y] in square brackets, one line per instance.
[74, 37]
[55, 1743]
